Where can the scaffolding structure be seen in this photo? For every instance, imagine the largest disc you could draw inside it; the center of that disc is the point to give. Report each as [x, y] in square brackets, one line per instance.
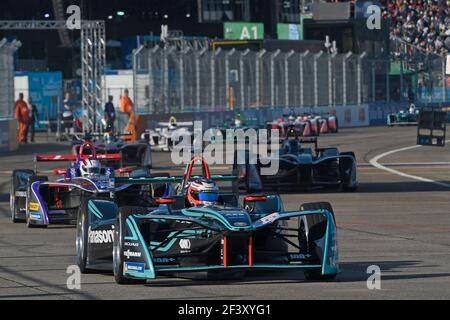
[7, 50]
[93, 60]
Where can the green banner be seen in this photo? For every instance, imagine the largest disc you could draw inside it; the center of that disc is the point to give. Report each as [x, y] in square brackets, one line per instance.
[243, 31]
[289, 31]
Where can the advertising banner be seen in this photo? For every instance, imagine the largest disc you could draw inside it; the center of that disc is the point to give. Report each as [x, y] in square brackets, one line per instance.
[243, 31]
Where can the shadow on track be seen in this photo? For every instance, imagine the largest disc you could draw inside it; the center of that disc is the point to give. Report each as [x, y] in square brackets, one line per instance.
[400, 187]
[38, 284]
[376, 187]
[351, 272]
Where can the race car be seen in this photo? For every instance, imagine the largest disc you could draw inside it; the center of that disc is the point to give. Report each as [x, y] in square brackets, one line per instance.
[197, 228]
[40, 202]
[166, 134]
[135, 154]
[305, 125]
[325, 124]
[408, 117]
[299, 168]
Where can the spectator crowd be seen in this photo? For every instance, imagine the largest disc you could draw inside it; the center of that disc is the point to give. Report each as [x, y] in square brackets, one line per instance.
[422, 23]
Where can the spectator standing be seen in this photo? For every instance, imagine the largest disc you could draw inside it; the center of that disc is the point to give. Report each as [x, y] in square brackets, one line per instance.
[67, 114]
[110, 115]
[33, 115]
[126, 106]
[22, 115]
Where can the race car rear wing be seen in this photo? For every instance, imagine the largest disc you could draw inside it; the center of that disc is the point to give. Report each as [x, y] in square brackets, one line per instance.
[70, 157]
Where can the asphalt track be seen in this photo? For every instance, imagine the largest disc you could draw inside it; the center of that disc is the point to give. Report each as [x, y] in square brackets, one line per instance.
[395, 222]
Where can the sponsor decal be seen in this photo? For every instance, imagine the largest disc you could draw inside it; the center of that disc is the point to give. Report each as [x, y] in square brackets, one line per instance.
[297, 256]
[240, 224]
[164, 260]
[35, 216]
[134, 267]
[185, 244]
[34, 206]
[131, 244]
[133, 254]
[100, 236]
[270, 218]
[21, 193]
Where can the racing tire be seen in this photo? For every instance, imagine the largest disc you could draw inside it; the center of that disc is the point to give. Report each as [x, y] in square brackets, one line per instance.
[315, 226]
[118, 246]
[12, 195]
[345, 186]
[30, 181]
[82, 236]
[337, 127]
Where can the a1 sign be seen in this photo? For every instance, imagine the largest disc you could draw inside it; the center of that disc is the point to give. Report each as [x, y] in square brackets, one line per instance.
[243, 31]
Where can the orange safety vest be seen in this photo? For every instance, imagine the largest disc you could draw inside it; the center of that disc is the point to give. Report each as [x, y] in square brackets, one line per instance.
[126, 105]
[21, 111]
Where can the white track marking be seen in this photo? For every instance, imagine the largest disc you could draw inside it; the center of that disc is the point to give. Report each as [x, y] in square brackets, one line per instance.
[374, 162]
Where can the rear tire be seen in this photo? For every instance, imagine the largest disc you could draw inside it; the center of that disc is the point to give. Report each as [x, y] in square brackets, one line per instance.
[12, 195]
[345, 185]
[118, 247]
[82, 236]
[13, 206]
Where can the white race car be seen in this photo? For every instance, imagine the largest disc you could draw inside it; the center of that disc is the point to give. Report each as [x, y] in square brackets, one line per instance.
[168, 134]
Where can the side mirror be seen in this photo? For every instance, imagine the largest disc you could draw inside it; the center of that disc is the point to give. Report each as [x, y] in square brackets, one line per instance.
[165, 200]
[255, 199]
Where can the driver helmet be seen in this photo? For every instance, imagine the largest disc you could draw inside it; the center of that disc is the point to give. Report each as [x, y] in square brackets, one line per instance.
[412, 108]
[203, 192]
[172, 123]
[90, 168]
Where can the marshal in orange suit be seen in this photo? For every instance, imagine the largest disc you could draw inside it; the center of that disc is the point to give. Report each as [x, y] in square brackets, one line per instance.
[22, 116]
[126, 105]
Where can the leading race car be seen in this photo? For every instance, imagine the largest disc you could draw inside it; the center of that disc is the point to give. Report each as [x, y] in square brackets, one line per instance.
[408, 117]
[299, 168]
[40, 202]
[197, 228]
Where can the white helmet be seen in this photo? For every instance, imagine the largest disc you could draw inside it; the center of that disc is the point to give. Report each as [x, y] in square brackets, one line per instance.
[90, 168]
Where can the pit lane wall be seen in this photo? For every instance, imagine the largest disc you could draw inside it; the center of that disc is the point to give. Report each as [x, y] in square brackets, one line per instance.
[348, 116]
[8, 136]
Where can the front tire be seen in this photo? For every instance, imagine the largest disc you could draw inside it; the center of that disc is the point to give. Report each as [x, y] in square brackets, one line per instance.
[82, 236]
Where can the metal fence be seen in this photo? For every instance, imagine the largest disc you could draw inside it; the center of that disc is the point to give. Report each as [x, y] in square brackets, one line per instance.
[429, 70]
[170, 80]
[7, 50]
